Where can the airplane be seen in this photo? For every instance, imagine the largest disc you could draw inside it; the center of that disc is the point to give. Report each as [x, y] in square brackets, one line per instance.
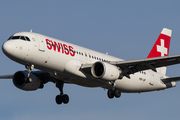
[61, 62]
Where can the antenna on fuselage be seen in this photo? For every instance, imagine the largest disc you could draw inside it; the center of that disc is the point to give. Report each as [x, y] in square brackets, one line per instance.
[31, 30]
[107, 53]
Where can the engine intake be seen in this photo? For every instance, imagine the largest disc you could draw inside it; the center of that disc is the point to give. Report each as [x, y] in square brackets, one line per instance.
[20, 80]
[105, 71]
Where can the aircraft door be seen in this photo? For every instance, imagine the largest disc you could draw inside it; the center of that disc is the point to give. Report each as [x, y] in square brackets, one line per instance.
[41, 43]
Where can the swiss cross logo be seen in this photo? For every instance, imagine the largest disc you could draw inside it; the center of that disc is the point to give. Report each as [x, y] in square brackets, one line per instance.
[162, 49]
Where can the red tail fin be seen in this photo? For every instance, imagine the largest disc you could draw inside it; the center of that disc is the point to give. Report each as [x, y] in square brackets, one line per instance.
[161, 48]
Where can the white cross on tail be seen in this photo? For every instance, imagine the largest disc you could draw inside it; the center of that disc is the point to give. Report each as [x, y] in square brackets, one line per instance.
[162, 49]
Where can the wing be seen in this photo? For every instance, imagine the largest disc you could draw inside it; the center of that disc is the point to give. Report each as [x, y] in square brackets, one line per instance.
[132, 66]
[6, 76]
[44, 76]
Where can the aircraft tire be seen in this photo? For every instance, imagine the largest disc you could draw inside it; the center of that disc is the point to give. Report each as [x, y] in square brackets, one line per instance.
[117, 93]
[110, 94]
[65, 98]
[59, 99]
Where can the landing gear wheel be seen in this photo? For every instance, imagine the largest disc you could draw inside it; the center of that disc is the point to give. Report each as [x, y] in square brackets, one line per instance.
[65, 99]
[62, 97]
[59, 99]
[117, 93]
[110, 94]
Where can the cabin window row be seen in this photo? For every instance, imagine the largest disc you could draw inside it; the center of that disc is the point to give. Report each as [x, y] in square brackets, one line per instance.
[79, 53]
[93, 57]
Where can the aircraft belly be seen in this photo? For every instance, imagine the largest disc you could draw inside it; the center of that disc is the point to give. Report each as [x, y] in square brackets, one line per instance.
[135, 84]
[86, 82]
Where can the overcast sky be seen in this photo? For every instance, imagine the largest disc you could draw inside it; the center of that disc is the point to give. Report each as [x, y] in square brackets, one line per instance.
[125, 29]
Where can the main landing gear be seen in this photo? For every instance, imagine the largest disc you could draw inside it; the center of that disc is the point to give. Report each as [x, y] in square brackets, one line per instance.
[62, 98]
[111, 93]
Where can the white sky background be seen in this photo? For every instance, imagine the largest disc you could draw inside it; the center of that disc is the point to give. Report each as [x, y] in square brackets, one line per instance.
[125, 29]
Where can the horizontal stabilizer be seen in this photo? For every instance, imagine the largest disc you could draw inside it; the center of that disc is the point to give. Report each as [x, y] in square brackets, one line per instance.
[167, 80]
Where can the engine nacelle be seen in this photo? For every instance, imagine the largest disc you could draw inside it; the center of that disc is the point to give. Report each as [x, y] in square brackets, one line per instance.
[20, 81]
[105, 71]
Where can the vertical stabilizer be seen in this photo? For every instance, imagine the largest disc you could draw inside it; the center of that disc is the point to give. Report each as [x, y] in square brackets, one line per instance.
[161, 47]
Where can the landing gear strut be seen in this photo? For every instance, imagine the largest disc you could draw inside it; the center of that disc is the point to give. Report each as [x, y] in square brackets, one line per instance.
[29, 69]
[111, 93]
[62, 98]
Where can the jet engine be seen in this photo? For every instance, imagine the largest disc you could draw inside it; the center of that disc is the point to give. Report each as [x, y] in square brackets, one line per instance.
[105, 71]
[21, 81]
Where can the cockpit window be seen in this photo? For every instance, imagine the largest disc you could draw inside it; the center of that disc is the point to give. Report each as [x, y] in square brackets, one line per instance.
[19, 37]
[15, 37]
[27, 39]
[22, 37]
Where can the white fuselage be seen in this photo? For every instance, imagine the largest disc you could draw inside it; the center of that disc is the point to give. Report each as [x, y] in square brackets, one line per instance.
[64, 64]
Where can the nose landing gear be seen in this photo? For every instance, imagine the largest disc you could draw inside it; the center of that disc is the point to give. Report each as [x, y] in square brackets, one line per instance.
[62, 98]
[29, 69]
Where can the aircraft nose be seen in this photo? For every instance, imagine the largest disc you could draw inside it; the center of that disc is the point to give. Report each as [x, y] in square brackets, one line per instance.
[7, 48]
